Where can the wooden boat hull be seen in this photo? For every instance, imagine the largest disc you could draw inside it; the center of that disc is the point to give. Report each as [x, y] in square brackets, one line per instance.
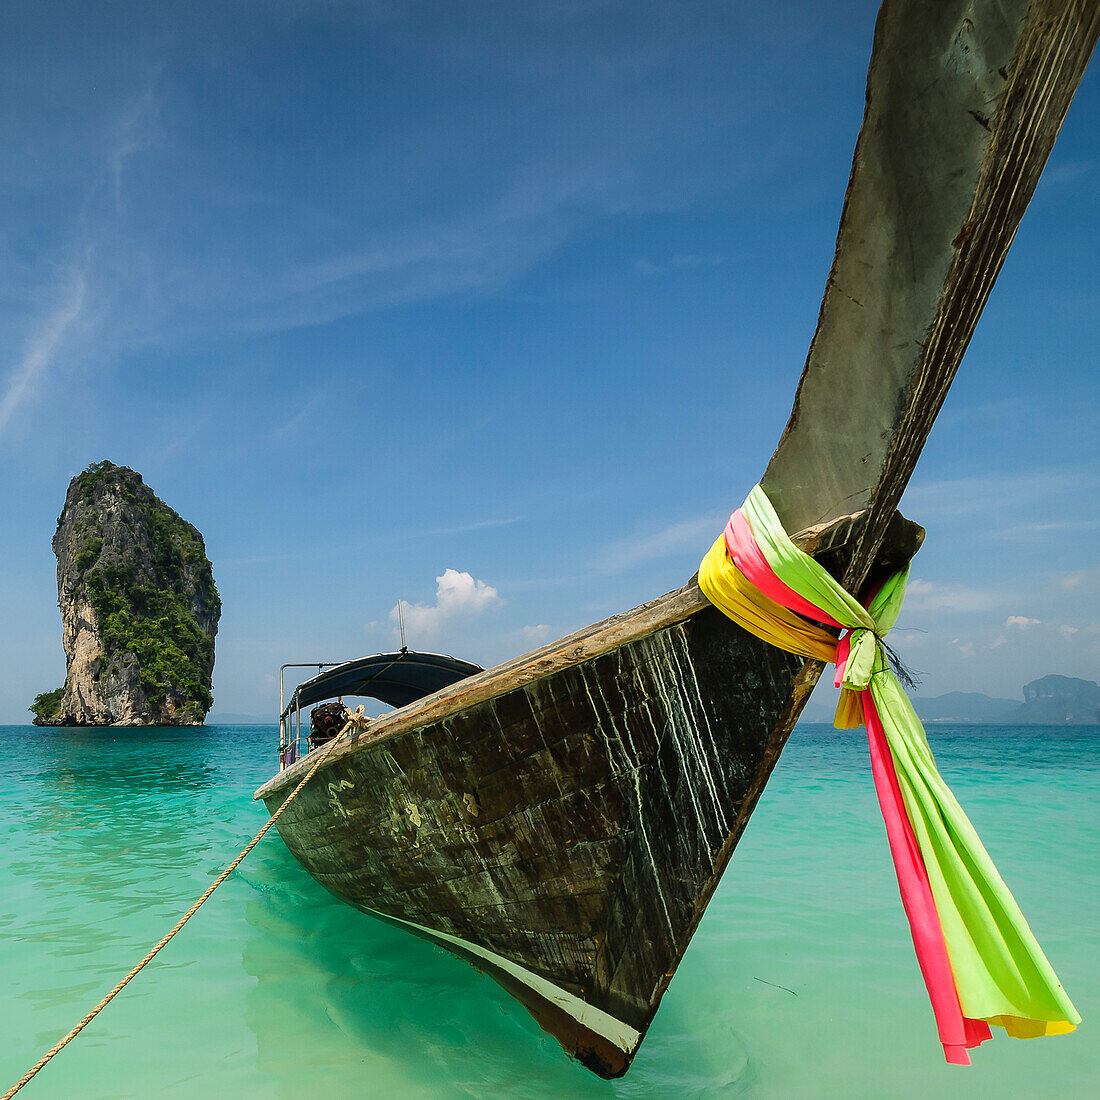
[562, 820]
[564, 836]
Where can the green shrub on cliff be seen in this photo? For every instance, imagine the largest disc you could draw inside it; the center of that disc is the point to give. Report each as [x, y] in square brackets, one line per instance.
[47, 706]
[89, 478]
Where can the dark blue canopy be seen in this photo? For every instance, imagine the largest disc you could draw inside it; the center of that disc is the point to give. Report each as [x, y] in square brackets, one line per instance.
[394, 678]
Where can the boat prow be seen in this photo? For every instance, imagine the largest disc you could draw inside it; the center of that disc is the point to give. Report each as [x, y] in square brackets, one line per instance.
[563, 820]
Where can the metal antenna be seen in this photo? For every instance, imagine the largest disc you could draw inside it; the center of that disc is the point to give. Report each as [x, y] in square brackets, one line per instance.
[401, 620]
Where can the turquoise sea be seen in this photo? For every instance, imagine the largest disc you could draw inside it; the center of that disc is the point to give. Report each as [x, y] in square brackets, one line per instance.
[801, 981]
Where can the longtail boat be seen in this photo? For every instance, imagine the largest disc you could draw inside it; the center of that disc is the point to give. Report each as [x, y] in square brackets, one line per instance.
[562, 820]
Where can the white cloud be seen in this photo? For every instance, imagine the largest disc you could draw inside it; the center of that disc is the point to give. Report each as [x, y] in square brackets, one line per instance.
[458, 599]
[533, 635]
[1067, 632]
[1021, 621]
[965, 648]
[1078, 580]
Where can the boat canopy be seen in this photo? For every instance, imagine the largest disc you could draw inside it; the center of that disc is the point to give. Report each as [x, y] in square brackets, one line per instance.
[393, 678]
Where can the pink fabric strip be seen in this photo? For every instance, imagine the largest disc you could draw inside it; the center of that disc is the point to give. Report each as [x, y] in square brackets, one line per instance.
[956, 1032]
[749, 558]
[843, 652]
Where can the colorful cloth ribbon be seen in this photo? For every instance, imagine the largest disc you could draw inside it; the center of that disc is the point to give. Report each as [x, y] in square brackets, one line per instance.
[980, 962]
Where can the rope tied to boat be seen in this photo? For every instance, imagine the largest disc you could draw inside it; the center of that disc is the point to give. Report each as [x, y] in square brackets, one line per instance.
[979, 959]
[355, 721]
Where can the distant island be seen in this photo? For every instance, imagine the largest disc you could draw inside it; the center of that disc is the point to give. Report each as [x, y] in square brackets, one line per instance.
[139, 608]
[1050, 700]
[232, 718]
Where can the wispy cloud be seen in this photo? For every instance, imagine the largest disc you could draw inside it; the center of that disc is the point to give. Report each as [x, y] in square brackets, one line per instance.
[30, 373]
[510, 205]
[1069, 171]
[1024, 532]
[477, 525]
[132, 132]
[1078, 581]
[689, 262]
[258, 559]
[922, 595]
[480, 250]
[687, 537]
[304, 416]
[99, 206]
[1001, 493]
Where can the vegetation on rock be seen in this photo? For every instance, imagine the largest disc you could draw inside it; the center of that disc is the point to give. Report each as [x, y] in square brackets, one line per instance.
[158, 627]
[152, 621]
[47, 706]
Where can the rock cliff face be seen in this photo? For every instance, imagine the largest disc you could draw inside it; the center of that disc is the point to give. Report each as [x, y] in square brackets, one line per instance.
[1060, 699]
[139, 608]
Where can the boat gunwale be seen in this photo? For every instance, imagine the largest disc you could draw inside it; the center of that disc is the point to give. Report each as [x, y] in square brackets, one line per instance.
[585, 644]
[582, 645]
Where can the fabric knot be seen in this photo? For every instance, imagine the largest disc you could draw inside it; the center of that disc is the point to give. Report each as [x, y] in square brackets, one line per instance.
[857, 655]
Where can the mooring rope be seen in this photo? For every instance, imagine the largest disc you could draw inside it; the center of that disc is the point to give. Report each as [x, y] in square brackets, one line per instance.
[355, 721]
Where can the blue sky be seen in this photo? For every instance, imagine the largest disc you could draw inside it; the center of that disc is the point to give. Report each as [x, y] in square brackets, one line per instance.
[370, 292]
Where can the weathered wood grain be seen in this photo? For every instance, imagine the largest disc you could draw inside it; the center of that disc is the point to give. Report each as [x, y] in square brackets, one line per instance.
[964, 102]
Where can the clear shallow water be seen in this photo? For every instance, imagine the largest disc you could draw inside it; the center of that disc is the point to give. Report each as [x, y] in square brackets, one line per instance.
[275, 989]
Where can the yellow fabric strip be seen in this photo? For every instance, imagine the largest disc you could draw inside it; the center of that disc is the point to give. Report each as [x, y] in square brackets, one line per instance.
[739, 599]
[727, 588]
[1020, 1028]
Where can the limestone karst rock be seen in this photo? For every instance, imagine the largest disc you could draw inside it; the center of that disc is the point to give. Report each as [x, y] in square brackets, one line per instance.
[1057, 700]
[138, 604]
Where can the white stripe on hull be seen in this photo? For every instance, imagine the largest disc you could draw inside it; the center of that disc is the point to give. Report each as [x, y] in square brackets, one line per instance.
[595, 1019]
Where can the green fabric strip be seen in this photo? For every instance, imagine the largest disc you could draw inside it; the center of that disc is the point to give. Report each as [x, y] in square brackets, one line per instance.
[798, 570]
[998, 966]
